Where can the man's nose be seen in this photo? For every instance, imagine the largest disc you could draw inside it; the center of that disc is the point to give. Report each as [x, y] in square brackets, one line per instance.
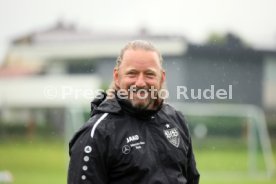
[140, 82]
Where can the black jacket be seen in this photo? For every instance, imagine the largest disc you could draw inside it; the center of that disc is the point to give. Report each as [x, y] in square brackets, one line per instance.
[121, 145]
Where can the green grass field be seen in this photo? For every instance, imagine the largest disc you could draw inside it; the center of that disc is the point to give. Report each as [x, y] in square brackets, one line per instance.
[34, 162]
[45, 161]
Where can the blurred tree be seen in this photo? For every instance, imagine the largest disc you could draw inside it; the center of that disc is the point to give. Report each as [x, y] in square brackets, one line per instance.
[229, 40]
[215, 39]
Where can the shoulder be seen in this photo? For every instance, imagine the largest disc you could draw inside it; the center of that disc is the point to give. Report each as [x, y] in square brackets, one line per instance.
[96, 124]
[171, 111]
[178, 116]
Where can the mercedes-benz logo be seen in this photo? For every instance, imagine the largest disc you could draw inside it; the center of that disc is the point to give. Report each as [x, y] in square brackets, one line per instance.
[126, 149]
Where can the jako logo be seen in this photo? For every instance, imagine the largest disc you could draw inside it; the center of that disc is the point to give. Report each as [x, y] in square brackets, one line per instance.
[132, 138]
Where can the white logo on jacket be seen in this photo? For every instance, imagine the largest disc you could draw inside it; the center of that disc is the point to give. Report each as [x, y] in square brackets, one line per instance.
[126, 149]
[132, 142]
[173, 136]
[132, 138]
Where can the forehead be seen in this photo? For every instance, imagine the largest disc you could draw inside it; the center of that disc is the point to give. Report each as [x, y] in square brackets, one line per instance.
[140, 58]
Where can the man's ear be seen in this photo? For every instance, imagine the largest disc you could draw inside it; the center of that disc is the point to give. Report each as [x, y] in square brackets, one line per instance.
[163, 76]
[116, 76]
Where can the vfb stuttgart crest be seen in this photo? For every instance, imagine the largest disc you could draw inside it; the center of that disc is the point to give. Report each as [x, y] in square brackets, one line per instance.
[173, 136]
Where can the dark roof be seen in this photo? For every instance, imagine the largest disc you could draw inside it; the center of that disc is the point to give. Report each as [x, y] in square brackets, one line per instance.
[65, 32]
[220, 51]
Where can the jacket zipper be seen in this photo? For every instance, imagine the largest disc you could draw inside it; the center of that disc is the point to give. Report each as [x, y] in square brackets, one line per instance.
[154, 124]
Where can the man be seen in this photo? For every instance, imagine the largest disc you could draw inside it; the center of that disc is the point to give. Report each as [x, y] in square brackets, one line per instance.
[132, 136]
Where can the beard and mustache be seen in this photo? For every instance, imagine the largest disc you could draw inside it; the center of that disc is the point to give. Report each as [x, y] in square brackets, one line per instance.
[152, 96]
[141, 97]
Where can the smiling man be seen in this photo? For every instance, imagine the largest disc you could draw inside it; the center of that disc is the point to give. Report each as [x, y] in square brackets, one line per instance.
[134, 137]
[139, 72]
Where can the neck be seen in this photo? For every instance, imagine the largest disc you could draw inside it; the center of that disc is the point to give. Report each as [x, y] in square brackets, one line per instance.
[141, 113]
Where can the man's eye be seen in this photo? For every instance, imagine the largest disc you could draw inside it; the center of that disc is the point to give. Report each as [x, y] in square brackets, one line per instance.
[150, 74]
[131, 73]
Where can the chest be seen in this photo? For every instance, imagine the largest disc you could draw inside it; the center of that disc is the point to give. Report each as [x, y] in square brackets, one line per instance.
[145, 144]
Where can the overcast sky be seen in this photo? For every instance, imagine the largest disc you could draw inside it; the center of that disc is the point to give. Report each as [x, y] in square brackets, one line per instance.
[253, 20]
